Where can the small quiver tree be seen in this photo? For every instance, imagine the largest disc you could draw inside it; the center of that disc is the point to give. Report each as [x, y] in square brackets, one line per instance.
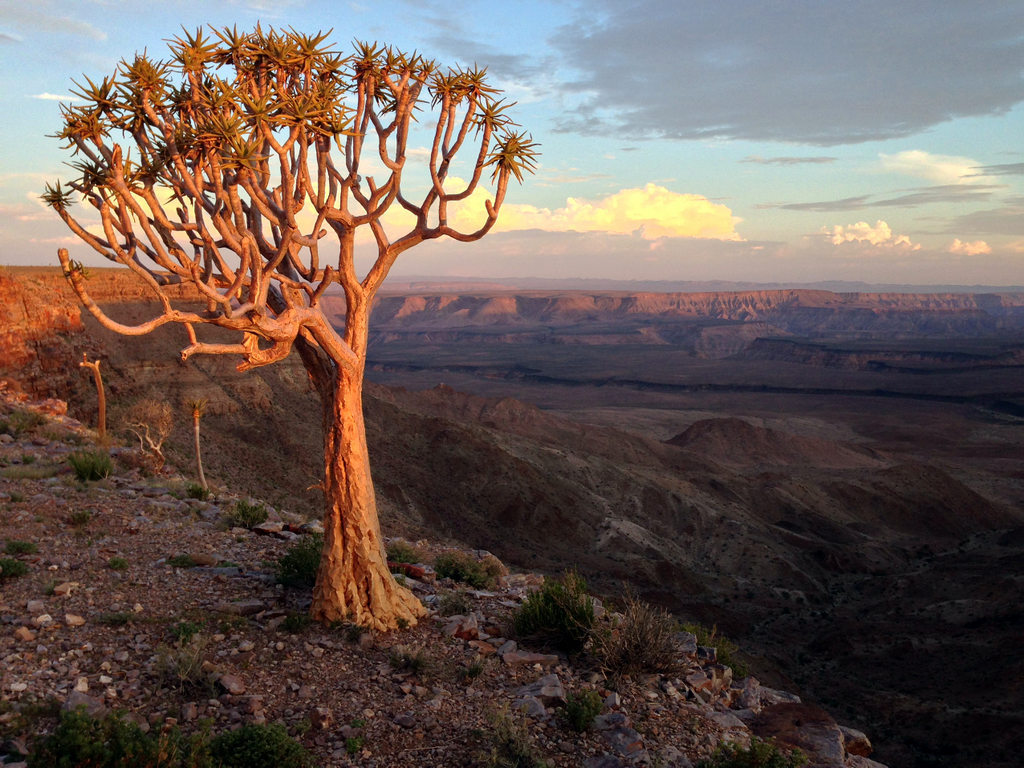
[245, 165]
[197, 407]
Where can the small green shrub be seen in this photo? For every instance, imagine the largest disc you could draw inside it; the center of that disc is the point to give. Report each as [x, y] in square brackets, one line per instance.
[403, 552]
[454, 603]
[725, 649]
[11, 568]
[406, 659]
[643, 641]
[80, 517]
[295, 622]
[181, 561]
[20, 422]
[115, 618]
[464, 568]
[472, 670]
[581, 709]
[196, 491]
[114, 742]
[16, 497]
[760, 754]
[353, 744]
[298, 566]
[560, 614]
[184, 631]
[246, 514]
[14, 547]
[117, 564]
[259, 746]
[91, 465]
[181, 667]
[509, 745]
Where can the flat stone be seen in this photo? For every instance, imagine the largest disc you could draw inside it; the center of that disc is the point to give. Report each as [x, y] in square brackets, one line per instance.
[232, 684]
[65, 589]
[241, 607]
[803, 726]
[531, 706]
[610, 720]
[624, 741]
[36, 606]
[73, 620]
[24, 634]
[517, 658]
[92, 706]
[726, 721]
[547, 689]
[482, 647]
[406, 721]
[204, 558]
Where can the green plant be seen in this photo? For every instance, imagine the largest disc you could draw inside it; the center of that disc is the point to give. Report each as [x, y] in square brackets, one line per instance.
[353, 744]
[80, 517]
[23, 472]
[20, 422]
[115, 618]
[581, 709]
[295, 622]
[181, 561]
[298, 566]
[642, 641]
[472, 670]
[181, 667]
[407, 659]
[117, 564]
[403, 552]
[454, 603]
[725, 649]
[197, 491]
[257, 746]
[184, 631]
[560, 614]
[16, 497]
[14, 547]
[508, 744]
[115, 742]
[463, 567]
[246, 514]
[11, 568]
[760, 754]
[91, 465]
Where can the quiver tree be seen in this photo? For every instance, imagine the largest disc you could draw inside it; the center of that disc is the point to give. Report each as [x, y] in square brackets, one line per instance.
[101, 397]
[197, 408]
[245, 165]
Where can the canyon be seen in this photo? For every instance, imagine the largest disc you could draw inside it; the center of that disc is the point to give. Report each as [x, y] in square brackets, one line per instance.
[834, 480]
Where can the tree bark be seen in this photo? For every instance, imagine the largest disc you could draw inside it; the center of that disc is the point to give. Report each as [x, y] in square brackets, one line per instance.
[199, 457]
[353, 582]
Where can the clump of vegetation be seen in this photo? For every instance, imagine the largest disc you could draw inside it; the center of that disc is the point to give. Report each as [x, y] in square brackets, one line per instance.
[642, 641]
[26, 472]
[184, 631]
[581, 709]
[197, 491]
[90, 466]
[298, 566]
[246, 514]
[560, 614]
[454, 603]
[296, 622]
[259, 745]
[20, 422]
[115, 742]
[464, 568]
[15, 547]
[181, 561]
[472, 670]
[760, 754]
[80, 517]
[725, 649]
[399, 551]
[117, 564]
[509, 745]
[11, 568]
[403, 658]
[151, 421]
[115, 618]
[181, 667]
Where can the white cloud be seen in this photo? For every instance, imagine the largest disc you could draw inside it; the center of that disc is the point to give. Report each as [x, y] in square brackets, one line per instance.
[54, 97]
[879, 235]
[942, 169]
[975, 248]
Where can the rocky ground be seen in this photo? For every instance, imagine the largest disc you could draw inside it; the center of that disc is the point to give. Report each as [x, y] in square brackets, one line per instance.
[106, 616]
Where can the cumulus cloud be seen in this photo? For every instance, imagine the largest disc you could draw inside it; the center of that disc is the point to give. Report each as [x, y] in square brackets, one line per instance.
[975, 248]
[652, 211]
[879, 235]
[799, 71]
[942, 169]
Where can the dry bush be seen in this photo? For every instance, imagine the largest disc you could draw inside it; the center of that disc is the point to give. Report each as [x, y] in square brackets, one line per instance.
[151, 421]
[643, 640]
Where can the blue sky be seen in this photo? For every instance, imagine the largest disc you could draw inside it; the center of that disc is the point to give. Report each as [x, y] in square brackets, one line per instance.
[783, 141]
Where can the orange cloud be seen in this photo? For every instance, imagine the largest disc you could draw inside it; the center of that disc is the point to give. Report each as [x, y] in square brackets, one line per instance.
[879, 235]
[976, 248]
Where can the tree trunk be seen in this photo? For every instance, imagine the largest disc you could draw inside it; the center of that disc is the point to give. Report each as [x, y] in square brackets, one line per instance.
[199, 457]
[353, 582]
